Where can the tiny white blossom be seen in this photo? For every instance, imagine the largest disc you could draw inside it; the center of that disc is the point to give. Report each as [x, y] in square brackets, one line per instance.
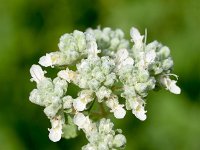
[67, 74]
[79, 120]
[119, 140]
[83, 122]
[89, 147]
[92, 46]
[137, 105]
[128, 61]
[136, 37]
[92, 50]
[102, 93]
[79, 105]
[119, 112]
[150, 56]
[55, 133]
[170, 85]
[84, 98]
[140, 113]
[121, 55]
[116, 108]
[67, 102]
[50, 59]
[37, 73]
[46, 60]
[122, 59]
[174, 88]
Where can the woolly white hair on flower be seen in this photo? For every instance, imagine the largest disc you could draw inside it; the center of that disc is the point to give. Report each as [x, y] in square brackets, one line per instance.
[100, 72]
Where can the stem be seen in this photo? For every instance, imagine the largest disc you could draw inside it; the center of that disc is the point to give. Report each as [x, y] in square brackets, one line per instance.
[103, 111]
[90, 107]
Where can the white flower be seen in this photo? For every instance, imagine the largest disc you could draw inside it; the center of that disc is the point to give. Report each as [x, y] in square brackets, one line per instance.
[119, 140]
[79, 120]
[82, 122]
[119, 112]
[79, 105]
[150, 56]
[121, 55]
[128, 61]
[67, 74]
[140, 113]
[102, 93]
[137, 105]
[116, 108]
[136, 37]
[55, 133]
[37, 73]
[105, 126]
[50, 59]
[67, 102]
[170, 85]
[84, 98]
[92, 45]
[92, 50]
[46, 60]
[174, 88]
[89, 147]
[122, 58]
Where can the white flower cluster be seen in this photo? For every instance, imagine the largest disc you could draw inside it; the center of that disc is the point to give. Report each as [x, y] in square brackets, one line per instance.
[109, 74]
[100, 136]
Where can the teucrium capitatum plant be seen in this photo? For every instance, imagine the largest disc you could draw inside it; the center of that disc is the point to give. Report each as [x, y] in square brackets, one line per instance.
[107, 68]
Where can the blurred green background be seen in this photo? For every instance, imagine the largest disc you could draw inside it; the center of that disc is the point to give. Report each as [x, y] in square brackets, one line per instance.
[30, 28]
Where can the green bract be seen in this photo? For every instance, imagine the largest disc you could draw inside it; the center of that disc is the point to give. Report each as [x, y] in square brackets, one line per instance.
[110, 74]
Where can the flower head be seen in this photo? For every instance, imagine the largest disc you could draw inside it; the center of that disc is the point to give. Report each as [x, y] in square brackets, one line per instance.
[104, 73]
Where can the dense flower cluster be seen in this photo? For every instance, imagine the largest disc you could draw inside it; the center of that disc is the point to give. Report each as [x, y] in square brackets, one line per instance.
[109, 73]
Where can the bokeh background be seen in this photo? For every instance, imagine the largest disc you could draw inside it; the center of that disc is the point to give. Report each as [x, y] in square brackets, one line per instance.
[31, 28]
